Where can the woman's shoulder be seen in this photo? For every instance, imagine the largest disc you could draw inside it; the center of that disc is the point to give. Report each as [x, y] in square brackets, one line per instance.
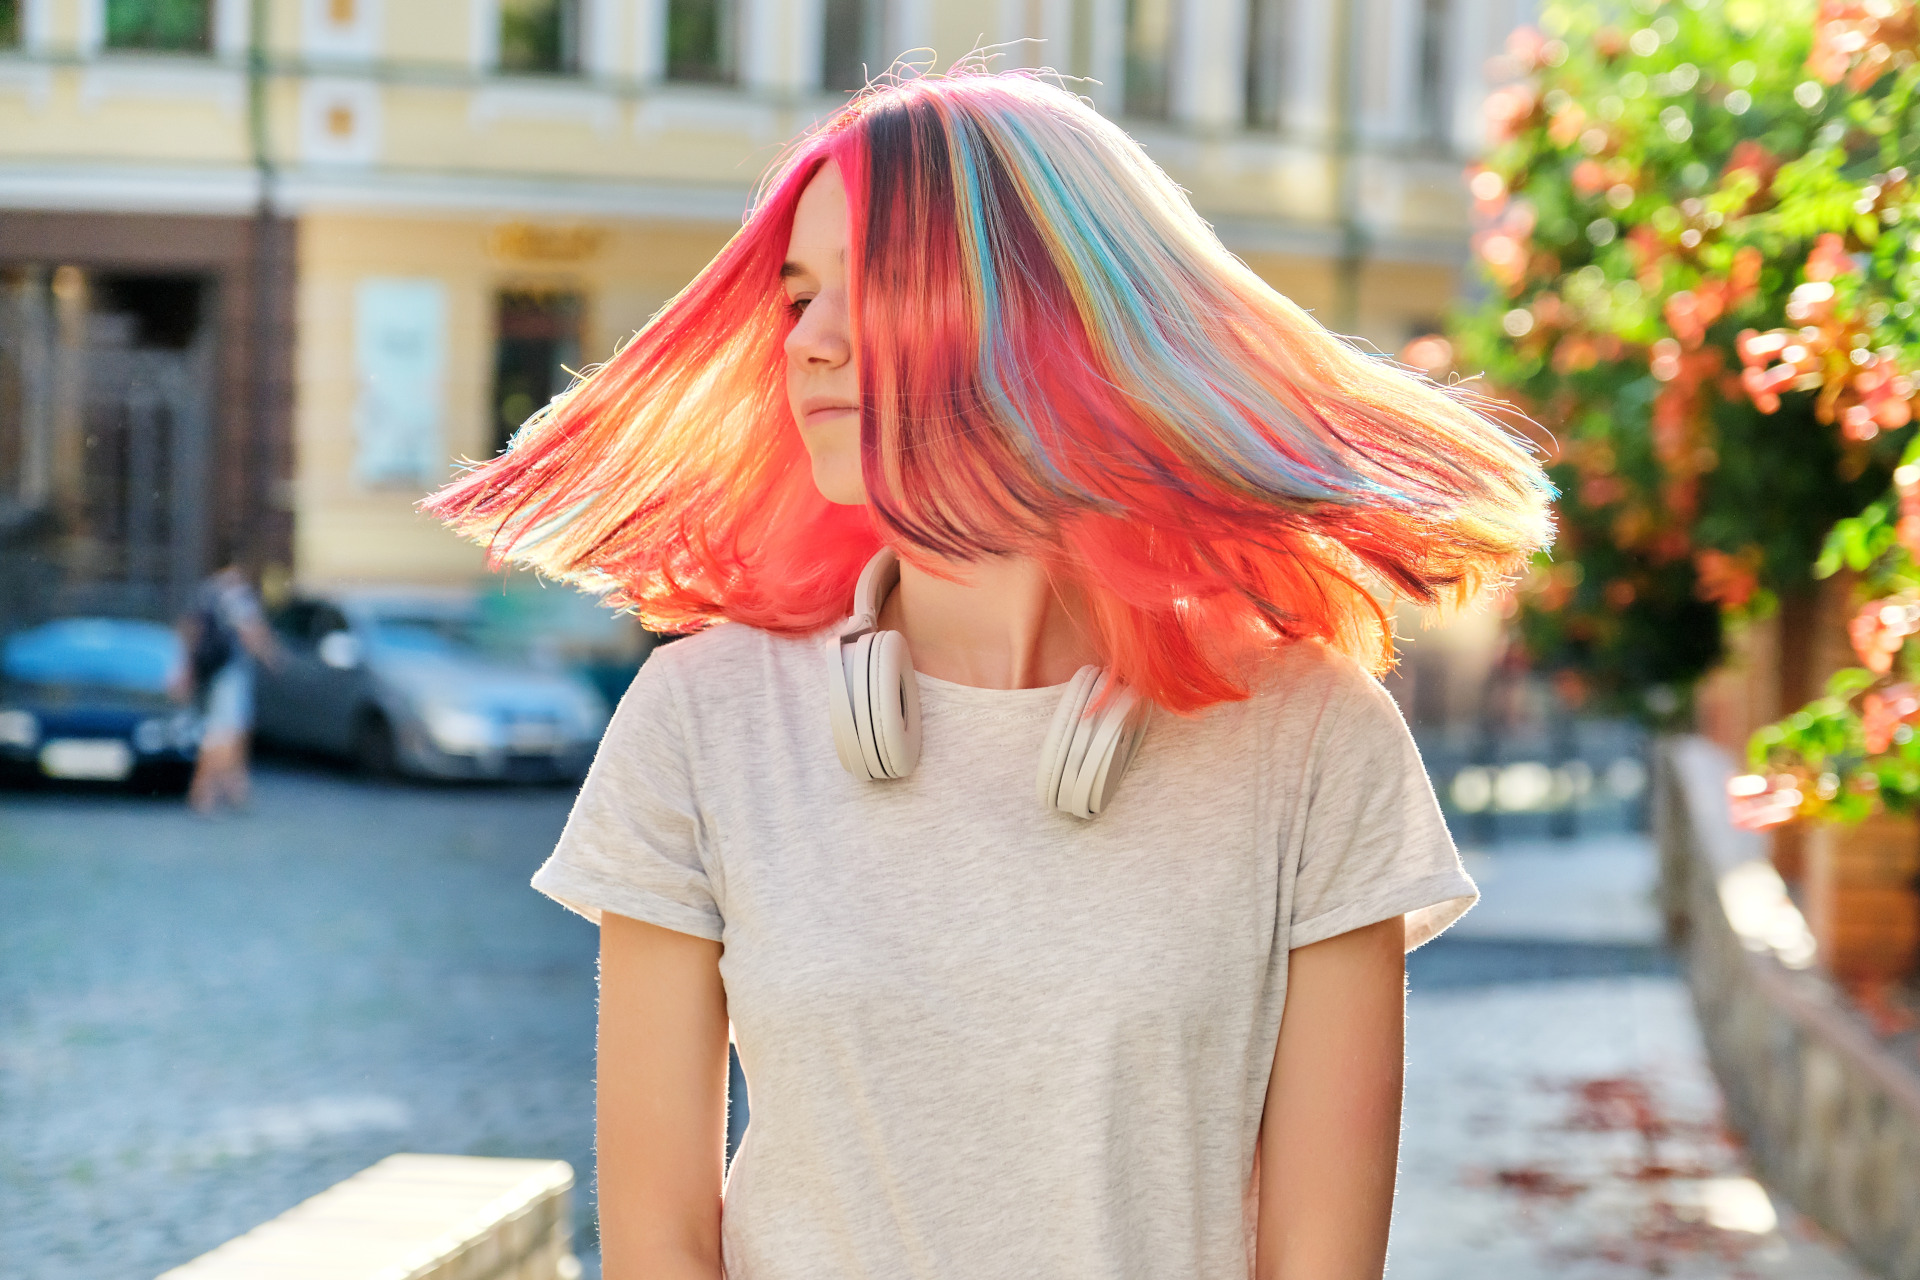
[1310, 672]
[1308, 694]
[725, 661]
[711, 681]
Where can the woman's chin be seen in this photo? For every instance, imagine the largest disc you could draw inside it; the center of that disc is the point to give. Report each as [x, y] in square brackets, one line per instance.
[841, 486]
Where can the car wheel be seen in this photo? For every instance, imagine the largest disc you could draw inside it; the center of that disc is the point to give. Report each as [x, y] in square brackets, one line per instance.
[373, 746]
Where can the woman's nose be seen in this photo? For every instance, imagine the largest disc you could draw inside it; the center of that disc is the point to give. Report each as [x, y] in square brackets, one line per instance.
[821, 336]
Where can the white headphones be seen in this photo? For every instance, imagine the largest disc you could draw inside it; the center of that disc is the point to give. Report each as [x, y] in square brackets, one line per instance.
[876, 710]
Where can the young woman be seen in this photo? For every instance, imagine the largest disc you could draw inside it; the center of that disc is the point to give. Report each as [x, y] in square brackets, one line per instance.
[1007, 1006]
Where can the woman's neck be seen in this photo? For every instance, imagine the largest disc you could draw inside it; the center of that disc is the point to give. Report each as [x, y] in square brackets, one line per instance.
[994, 623]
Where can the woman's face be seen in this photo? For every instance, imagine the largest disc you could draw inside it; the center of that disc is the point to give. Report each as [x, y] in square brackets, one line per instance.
[823, 376]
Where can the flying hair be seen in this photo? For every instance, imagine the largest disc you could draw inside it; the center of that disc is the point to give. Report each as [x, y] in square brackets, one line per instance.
[1058, 359]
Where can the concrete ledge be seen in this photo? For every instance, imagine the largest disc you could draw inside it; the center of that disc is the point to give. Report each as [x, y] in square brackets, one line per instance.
[414, 1217]
[1829, 1112]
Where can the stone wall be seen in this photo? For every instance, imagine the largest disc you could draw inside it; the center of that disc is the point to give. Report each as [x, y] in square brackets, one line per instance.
[1829, 1111]
[415, 1217]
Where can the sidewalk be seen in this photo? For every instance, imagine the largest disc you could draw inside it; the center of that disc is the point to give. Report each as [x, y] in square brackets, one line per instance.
[1561, 1121]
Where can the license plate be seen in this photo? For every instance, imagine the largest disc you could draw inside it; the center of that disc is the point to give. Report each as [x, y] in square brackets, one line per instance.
[96, 759]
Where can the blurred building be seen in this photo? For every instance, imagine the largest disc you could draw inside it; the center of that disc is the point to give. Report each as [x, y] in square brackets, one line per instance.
[266, 265]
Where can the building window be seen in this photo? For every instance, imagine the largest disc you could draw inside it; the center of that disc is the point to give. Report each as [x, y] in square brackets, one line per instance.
[1434, 122]
[9, 24]
[533, 358]
[700, 41]
[540, 37]
[1266, 61]
[170, 26]
[1149, 46]
[851, 47]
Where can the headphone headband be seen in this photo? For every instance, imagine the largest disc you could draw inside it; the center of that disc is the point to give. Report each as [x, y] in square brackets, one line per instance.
[875, 706]
[877, 582]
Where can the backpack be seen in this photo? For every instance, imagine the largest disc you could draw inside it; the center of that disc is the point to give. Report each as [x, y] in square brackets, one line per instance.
[213, 646]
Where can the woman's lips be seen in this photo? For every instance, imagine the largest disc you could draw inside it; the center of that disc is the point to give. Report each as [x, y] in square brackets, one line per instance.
[820, 414]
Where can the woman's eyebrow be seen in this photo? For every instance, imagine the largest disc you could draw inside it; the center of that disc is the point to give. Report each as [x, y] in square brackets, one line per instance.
[788, 270]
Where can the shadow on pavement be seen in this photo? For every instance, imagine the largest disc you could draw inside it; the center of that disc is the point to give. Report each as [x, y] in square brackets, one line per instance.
[1450, 962]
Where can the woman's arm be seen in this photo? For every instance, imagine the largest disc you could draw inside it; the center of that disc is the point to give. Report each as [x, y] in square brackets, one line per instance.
[662, 1104]
[257, 638]
[1330, 1138]
[180, 679]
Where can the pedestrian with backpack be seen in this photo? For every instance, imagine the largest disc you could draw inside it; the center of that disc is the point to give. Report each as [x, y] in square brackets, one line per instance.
[224, 633]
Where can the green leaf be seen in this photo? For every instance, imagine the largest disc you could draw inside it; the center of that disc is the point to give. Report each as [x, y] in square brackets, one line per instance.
[1849, 681]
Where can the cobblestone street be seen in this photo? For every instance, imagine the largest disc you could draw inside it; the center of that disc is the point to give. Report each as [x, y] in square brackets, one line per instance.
[203, 1023]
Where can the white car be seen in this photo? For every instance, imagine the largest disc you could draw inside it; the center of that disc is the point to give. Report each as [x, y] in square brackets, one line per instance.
[400, 683]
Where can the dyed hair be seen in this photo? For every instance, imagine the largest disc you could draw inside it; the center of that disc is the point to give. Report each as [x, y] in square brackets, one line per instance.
[1058, 359]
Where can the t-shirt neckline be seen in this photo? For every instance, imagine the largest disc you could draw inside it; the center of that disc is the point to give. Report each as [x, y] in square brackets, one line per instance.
[1010, 704]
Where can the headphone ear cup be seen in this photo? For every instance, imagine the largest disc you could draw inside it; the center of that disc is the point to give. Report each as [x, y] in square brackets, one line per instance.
[846, 734]
[893, 703]
[859, 673]
[1114, 738]
[1086, 753]
[1060, 735]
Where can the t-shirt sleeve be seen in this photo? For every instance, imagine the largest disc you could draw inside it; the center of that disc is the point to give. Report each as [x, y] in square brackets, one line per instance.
[632, 844]
[1375, 844]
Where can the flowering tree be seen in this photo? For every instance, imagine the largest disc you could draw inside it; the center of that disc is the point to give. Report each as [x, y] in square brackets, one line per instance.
[1700, 256]
[1854, 751]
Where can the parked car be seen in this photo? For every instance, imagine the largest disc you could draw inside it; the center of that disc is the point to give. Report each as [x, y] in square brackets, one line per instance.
[88, 699]
[401, 683]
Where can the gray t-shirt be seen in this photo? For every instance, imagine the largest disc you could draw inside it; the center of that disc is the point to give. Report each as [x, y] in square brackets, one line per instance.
[982, 1039]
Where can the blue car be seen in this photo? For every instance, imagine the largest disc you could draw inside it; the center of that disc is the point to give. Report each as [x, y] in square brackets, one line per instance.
[88, 700]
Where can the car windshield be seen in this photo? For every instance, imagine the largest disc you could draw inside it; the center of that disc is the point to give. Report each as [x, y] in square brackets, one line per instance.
[442, 634]
[94, 653]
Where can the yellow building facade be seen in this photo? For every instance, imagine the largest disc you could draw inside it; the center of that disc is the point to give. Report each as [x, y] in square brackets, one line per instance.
[399, 222]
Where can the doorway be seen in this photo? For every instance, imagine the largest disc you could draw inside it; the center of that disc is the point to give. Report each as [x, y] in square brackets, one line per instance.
[106, 383]
[536, 351]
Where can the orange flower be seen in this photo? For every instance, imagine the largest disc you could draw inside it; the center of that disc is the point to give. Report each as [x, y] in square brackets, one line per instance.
[1906, 482]
[1564, 129]
[1829, 258]
[1864, 391]
[1882, 711]
[1430, 353]
[1880, 629]
[1510, 109]
[1885, 400]
[1861, 40]
[1527, 47]
[1590, 178]
[1758, 802]
[1575, 353]
[1729, 581]
[1650, 253]
[1689, 312]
